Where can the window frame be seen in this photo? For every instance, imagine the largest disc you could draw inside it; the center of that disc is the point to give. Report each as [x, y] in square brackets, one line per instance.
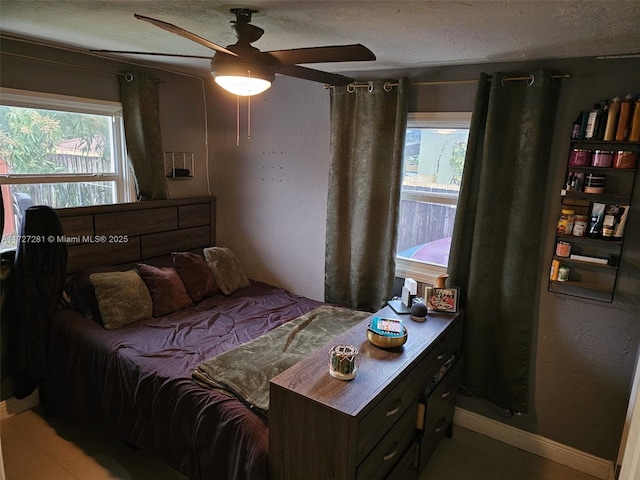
[122, 176]
[421, 271]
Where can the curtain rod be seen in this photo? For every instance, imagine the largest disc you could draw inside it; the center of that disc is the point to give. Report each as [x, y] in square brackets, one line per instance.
[389, 85]
[530, 78]
[66, 64]
[127, 75]
[83, 52]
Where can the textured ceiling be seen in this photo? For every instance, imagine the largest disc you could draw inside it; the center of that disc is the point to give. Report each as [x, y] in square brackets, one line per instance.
[402, 35]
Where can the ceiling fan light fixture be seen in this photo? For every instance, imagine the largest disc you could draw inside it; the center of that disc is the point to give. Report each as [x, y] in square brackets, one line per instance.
[241, 78]
[243, 86]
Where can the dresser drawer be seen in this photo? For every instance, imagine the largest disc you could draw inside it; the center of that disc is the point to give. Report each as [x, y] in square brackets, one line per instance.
[382, 417]
[391, 448]
[445, 352]
[432, 436]
[395, 403]
[443, 397]
[406, 468]
[438, 415]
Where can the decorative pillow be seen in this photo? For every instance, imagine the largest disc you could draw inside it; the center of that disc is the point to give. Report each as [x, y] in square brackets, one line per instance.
[226, 269]
[122, 297]
[81, 294]
[166, 289]
[195, 274]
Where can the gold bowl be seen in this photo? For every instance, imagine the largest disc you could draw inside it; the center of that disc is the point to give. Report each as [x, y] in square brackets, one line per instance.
[384, 341]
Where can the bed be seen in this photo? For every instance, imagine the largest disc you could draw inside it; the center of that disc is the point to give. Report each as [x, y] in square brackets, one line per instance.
[135, 380]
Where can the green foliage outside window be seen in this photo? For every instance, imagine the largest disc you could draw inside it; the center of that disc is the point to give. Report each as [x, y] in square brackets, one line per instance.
[45, 142]
[30, 138]
[458, 153]
[26, 137]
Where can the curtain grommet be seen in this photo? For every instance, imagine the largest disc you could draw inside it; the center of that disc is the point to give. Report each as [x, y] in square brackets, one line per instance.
[351, 88]
[529, 78]
[387, 86]
[129, 77]
[370, 87]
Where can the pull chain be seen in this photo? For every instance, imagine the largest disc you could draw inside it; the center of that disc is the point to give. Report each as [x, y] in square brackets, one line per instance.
[249, 119]
[237, 120]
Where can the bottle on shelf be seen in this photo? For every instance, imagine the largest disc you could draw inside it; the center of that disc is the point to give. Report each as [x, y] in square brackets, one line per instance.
[555, 266]
[612, 214]
[575, 131]
[601, 121]
[634, 136]
[565, 222]
[575, 181]
[590, 132]
[595, 223]
[563, 273]
[612, 120]
[584, 116]
[622, 132]
[579, 226]
[618, 231]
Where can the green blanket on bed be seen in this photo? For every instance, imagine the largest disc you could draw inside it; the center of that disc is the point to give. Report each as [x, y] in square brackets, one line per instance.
[246, 370]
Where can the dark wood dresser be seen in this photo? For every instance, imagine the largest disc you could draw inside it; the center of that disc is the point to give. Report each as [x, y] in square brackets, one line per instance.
[384, 423]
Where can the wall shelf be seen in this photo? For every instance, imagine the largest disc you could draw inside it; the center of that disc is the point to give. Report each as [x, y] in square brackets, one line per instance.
[593, 280]
[574, 261]
[601, 241]
[178, 165]
[590, 286]
[598, 197]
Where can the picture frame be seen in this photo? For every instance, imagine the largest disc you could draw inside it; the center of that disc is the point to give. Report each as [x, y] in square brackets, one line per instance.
[441, 299]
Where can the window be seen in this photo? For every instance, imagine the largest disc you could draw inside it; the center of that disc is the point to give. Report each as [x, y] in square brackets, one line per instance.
[435, 148]
[59, 151]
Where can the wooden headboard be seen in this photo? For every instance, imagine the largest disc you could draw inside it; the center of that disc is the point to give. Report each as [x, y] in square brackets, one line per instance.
[131, 232]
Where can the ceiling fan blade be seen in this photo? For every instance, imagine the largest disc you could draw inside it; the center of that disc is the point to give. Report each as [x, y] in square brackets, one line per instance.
[313, 75]
[337, 53]
[184, 33]
[151, 53]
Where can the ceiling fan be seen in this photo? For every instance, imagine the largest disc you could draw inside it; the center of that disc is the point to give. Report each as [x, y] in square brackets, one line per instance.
[244, 70]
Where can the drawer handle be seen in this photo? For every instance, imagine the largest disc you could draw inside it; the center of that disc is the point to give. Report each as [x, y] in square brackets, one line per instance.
[443, 424]
[393, 411]
[389, 456]
[446, 394]
[441, 356]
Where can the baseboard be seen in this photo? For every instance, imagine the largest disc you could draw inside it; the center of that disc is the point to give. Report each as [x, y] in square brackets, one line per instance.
[536, 444]
[13, 406]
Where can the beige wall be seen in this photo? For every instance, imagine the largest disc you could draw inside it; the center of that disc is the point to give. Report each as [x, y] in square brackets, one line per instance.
[272, 188]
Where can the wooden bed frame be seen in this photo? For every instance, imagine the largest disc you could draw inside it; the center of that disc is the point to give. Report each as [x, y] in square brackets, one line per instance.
[131, 232]
[148, 232]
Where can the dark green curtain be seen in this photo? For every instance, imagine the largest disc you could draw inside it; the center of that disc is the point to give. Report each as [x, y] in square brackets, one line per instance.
[497, 234]
[139, 94]
[367, 141]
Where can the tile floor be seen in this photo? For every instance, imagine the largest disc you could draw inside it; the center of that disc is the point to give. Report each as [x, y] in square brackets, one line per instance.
[37, 448]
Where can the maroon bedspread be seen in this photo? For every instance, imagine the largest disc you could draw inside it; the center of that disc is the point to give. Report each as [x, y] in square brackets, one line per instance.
[136, 381]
